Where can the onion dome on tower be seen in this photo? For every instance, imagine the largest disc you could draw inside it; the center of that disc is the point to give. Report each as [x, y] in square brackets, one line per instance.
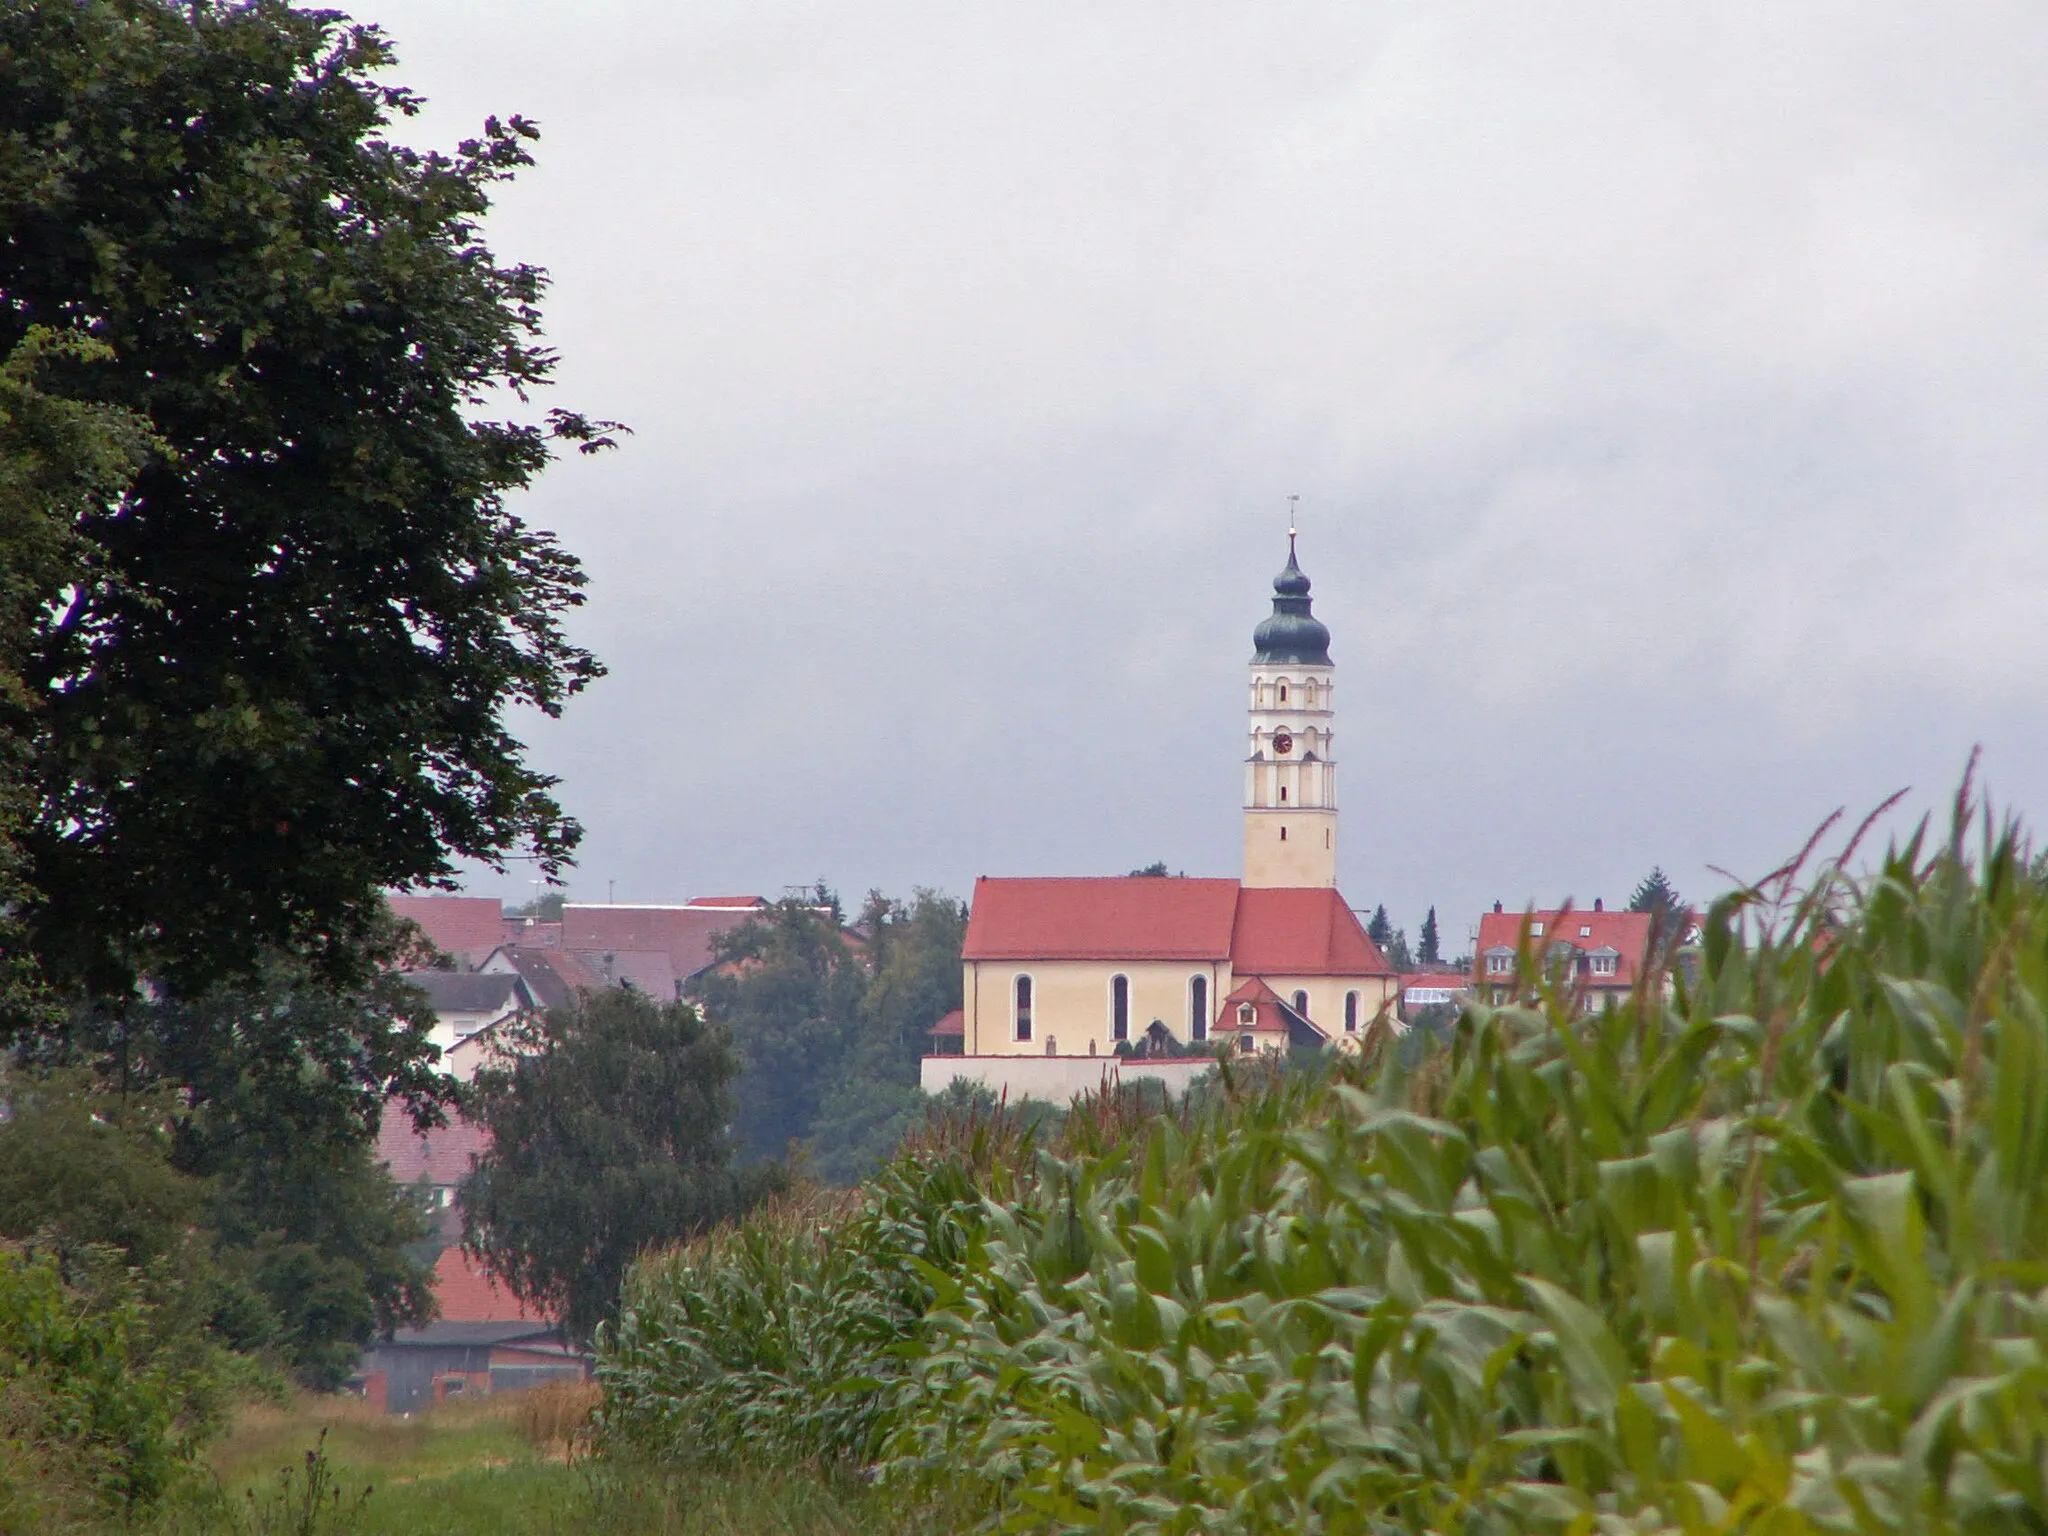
[1292, 635]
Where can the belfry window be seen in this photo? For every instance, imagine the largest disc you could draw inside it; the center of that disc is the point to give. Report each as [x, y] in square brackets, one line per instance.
[1283, 794]
[1119, 1007]
[1283, 693]
[1023, 1014]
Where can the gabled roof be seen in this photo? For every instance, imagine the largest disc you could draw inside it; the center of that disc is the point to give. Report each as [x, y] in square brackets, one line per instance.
[683, 934]
[468, 1295]
[440, 1156]
[1269, 1013]
[1129, 917]
[457, 925]
[954, 1023]
[1627, 934]
[553, 976]
[1301, 931]
[470, 991]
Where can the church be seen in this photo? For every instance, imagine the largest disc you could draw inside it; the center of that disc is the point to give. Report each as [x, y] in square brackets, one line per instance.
[1065, 980]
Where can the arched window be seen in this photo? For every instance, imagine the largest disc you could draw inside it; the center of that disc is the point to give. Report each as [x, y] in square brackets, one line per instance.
[1247, 1014]
[1283, 693]
[1301, 1004]
[1308, 693]
[1350, 1013]
[1283, 794]
[1198, 1007]
[1119, 1007]
[1022, 1017]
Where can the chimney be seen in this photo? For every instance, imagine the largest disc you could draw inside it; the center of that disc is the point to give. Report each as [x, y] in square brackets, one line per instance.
[1599, 905]
[1496, 906]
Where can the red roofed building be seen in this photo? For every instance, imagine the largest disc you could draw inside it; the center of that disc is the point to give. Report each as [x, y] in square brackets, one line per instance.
[1601, 953]
[464, 927]
[1076, 969]
[619, 941]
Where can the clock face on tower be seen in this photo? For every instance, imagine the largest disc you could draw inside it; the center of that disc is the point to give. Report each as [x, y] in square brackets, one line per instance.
[1282, 743]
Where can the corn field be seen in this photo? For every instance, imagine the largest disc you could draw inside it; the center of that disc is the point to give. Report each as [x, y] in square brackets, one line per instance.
[1762, 1251]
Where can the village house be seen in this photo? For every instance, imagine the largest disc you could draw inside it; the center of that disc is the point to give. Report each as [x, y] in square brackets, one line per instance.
[1600, 955]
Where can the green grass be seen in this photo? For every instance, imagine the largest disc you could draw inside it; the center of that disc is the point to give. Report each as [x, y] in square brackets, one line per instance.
[474, 1468]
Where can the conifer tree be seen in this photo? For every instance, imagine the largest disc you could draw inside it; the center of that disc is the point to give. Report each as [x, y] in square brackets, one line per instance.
[1380, 930]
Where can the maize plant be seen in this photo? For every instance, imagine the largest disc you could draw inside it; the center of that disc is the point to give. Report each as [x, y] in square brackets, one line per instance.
[1765, 1250]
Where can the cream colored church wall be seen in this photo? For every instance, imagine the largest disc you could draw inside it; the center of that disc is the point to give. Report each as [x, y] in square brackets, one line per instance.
[1071, 1002]
[1326, 998]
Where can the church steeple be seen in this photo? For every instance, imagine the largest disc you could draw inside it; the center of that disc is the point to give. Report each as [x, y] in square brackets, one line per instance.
[1290, 785]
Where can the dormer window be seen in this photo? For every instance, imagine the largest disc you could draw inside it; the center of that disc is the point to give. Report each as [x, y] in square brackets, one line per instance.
[1247, 1015]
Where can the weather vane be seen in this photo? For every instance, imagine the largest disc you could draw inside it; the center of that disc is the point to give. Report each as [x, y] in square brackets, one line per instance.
[1292, 505]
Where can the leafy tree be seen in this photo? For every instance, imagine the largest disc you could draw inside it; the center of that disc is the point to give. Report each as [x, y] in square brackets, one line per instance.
[1380, 930]
[1429, 951]
[608, 1137]
[1656, 896]
[1157, 868]
[913, 956]
[280, 1086]
[58, 457]
[280, 685]
[790, 992]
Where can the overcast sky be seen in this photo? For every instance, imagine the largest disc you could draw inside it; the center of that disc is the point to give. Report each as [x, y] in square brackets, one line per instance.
[1663, 386]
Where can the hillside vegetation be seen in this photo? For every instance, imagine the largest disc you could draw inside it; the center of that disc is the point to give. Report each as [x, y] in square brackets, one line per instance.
[1766, 1254]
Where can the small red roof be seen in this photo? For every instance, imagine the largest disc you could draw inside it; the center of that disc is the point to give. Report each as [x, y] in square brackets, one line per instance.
[1626, 933]
[1128, 917]
[458, 925]
[1266, 1006]
[441, 1156]
[468, 1295]
[1301, 931]
[954, 1023]
[684, 934]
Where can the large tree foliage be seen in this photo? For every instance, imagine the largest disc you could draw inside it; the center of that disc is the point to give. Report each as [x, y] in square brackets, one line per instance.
[278, 1087]
[279, 682]
[1430, 950]
[608, 1137]
[59, 457]
[913, 955]
[789, 989]
[831, 1024]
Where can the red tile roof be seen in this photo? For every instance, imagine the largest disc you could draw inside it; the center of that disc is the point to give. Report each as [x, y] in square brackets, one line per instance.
[440, 1156]
[1128, 917]
[459, 925]
[1301, 931]
[468, 1295]
[729, 901]
[954, 1023]
[684, 934]
[1626, 932]
[1266, 1005]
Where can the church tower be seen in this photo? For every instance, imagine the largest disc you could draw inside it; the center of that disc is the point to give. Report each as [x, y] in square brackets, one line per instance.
[1290, 779]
